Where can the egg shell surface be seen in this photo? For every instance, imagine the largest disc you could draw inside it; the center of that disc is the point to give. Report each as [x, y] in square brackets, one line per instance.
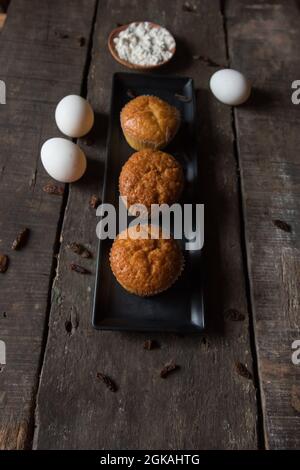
[230, 87]
[74, 116]
[63, 160]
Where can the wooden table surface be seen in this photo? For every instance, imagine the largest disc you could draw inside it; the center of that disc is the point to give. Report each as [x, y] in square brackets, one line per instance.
[237, 387]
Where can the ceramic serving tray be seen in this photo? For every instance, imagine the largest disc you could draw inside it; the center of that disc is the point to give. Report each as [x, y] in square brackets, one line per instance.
[180, 308]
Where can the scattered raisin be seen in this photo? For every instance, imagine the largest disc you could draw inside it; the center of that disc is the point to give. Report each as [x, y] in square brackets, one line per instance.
[243, 371]
[79, 250]
[68, 327]
[168, 368]
[110, 384]
[4, 260]
[282, 225]
[79, 269]
[61, 35]
[21, 239]
[233, 315]
[51, 188]
[81, 41]
[150, 344]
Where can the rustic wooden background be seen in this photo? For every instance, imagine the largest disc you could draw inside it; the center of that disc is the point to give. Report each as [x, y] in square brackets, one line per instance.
[237, 387]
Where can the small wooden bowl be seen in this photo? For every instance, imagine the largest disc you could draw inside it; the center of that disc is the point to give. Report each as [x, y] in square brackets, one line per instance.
[111, 46]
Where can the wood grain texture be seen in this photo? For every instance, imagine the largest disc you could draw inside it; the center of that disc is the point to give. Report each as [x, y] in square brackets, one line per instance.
[39, 67]
[263, 40]
[206, 404]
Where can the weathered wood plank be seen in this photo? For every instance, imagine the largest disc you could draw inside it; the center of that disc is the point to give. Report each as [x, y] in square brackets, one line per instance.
[38, 67]
[207, 404]
[263, 42]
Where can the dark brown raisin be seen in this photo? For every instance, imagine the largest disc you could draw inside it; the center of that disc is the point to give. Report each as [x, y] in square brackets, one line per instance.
[79, 250]
[243, 371]
[81, 41]
[61, 35]
[167, 369]
[282, 225]
[51, 188]
[110, 384]
[150, 344]
[21, 239]
[233, 315]
[4, 260]
[79, 269]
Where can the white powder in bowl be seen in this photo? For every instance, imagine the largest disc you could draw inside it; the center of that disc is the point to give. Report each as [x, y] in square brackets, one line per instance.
[142, 44]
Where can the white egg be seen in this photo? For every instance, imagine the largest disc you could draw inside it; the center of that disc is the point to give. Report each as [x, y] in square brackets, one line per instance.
[230, 86]
[63, 160]
[74, 116]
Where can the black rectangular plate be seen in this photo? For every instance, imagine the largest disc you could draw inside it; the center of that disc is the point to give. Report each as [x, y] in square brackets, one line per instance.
[180, 308]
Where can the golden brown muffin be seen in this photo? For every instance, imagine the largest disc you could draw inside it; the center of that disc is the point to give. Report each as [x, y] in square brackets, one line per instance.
[151, 177]
[145, 266]
[149, 122]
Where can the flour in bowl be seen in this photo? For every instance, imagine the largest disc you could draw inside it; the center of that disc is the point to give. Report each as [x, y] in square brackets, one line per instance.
[143, 44]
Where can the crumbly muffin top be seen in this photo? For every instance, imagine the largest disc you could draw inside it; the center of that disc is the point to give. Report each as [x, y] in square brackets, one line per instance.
[145, 266]
[151, 177]
[150, 119]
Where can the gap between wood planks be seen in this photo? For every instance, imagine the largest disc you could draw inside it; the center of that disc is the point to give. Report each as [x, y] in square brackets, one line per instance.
[54, 270]
[256, 378]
